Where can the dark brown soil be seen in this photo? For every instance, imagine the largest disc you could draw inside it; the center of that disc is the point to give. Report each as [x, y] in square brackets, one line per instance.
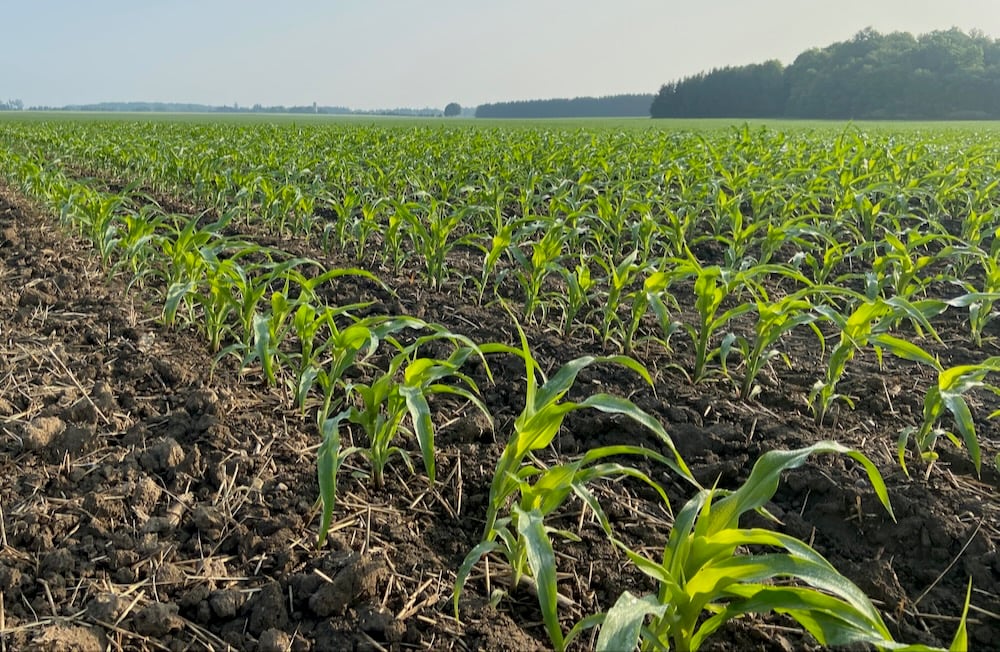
[149, 503]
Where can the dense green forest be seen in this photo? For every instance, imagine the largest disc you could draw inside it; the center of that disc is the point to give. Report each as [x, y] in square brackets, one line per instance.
[579, 107]
[939, 75]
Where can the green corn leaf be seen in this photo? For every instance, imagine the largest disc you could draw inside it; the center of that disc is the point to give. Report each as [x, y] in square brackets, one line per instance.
[609, 470]
[763, 482]
[556, 387]
[175, 294]
[423, 425]
[590, 500]
[327, 465]
[623, 622]
[901, 441]
[905, 350]
[715, 579]
[831, 621]
[615, 405]
[263, 346]
[306, 381]
[550, 489]
[583, 625]
[961, 641]
[538, 429]
[966, 425]
[542, 562]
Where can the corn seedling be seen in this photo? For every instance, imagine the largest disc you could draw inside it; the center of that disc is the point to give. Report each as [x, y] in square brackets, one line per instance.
[579, 293]
[869, 322]
[704, 580]
[379, 407]
[654, 296]
[135, 243]
[521, 536]
[500, 246]
[712, 285]
[618, 278]
[948, 395]
[533, 270]
[432, 232]
[774, 319]
[900, 267]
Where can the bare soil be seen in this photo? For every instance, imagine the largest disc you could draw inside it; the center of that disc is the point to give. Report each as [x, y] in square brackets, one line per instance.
[151, 501]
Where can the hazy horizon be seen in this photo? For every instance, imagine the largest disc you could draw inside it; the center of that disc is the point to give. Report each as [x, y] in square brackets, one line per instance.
[395, 54]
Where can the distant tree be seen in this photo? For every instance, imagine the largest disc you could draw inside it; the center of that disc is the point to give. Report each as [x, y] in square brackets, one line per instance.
[754, 91]
[452, 110]
[939, 75]
[614, 106]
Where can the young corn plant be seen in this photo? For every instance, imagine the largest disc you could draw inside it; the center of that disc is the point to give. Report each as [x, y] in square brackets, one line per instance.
[499, 247]
[330, 457]
[655, 296]
[704, 580]
[869, 323]
[336, 234]
[579, 293]
[395, 254]
[136, 243]
[262, 344]
[948, 395]
[309, 324]
[218, 301]
[345, 348]
[546, 254]
[402, 390]
[901, 268]
[518, 532]
[98, 217]
[187, 246]
[365, 224]
[712, 285]
[382, 405]
[432, 232]
[263, 331]
[189, 269]
[774, 319]
[824, 257]
[980, 301]
[618, 278]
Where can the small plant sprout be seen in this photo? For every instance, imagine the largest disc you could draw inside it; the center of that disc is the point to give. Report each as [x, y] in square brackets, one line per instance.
[520, 534]
[704, 579]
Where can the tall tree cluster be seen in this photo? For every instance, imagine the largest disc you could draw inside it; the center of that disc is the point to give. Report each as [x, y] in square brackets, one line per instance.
[940, 75]
[580, 107]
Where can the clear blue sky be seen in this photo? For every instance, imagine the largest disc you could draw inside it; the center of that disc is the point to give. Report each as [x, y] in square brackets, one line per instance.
[410, 53]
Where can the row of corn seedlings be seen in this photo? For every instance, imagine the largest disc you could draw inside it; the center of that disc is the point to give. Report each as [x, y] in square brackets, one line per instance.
[732, 242]
[265, 307]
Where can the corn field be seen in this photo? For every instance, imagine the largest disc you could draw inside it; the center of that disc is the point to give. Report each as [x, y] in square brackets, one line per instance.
[657, 383]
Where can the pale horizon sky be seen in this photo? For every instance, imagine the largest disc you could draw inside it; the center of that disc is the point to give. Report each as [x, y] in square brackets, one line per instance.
[371, 54]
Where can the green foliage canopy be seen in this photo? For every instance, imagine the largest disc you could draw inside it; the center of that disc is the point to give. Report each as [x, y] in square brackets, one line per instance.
[940, 75]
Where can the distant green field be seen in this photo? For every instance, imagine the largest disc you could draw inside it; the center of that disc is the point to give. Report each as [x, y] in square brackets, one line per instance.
[598, 124]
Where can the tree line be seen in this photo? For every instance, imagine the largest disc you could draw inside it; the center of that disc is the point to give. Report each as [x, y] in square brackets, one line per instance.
[939, 75]
[579, 107]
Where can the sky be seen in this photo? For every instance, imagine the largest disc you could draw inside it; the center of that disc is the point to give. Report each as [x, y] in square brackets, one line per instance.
[372, 54]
